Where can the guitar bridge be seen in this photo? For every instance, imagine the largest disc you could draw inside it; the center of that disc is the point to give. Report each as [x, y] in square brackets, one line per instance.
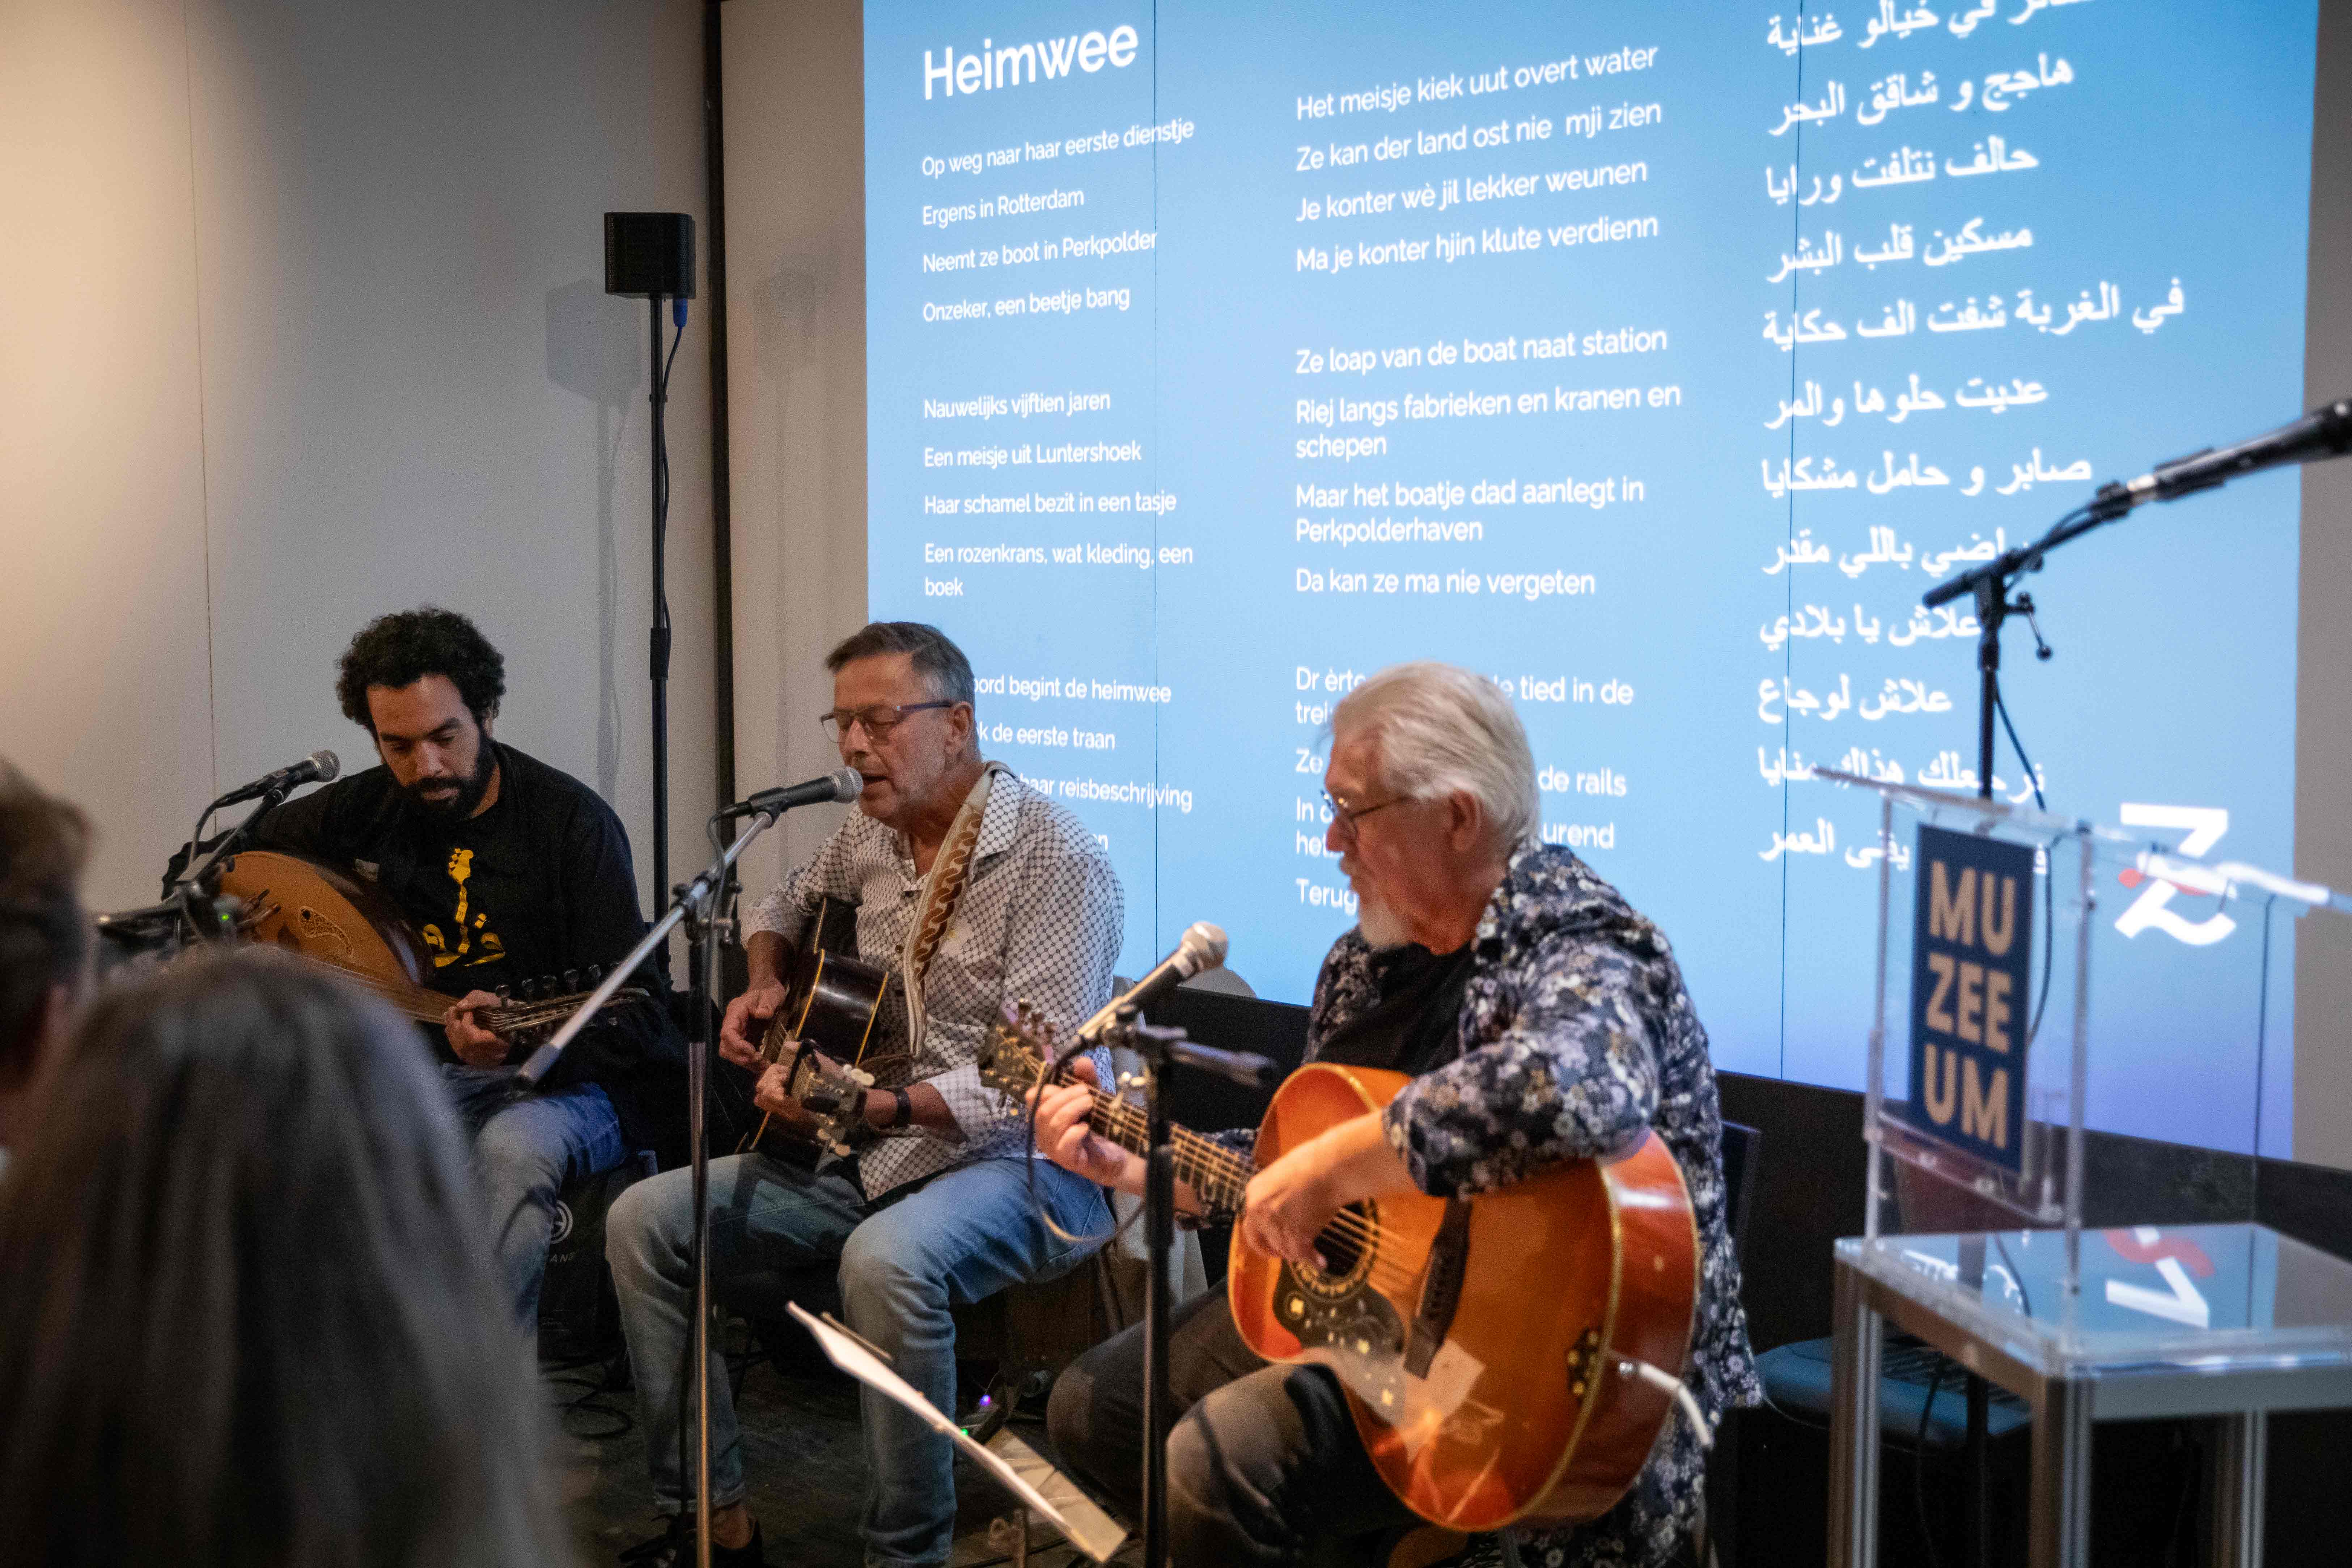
[1441, 1293]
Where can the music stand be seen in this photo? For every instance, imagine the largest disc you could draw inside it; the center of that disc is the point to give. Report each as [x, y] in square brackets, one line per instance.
[1037, 1487]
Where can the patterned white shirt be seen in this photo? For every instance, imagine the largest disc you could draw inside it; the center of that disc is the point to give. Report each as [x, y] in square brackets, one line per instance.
[1040, 920]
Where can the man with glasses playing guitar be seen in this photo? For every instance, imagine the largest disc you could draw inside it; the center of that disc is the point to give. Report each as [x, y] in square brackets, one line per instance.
[1535, 1023]
[970, 889]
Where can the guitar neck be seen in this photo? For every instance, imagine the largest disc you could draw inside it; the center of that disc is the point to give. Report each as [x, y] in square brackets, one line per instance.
[1217, 1174]
[430, 1007]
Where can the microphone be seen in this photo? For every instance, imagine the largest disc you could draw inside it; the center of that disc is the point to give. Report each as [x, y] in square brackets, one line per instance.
[1202, 947]
[1244, 1067]
[841, 784]
[2324, 432]
[320, 766]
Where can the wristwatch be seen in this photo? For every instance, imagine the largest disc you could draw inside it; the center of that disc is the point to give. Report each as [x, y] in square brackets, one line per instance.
[902, 1110]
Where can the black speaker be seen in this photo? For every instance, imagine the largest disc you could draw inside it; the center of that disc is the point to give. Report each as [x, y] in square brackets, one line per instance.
[579, 1318]
[649, 255]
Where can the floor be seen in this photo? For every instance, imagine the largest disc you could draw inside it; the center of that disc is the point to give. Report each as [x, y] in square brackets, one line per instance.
[801, 1458]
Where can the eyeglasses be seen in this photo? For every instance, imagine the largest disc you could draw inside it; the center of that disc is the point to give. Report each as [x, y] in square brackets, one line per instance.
[878, 720]
[1346, 817]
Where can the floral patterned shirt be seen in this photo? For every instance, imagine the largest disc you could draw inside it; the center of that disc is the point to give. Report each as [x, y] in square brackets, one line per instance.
[1576, 1034]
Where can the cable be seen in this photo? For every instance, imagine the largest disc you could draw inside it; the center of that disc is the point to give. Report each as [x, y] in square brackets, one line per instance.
[589, 1402]
[2049, 879]
[2017, 1276]
[2031, 778]
[1029, 1155]
[661, 471]
[1676, 1389]
[1919, 1466]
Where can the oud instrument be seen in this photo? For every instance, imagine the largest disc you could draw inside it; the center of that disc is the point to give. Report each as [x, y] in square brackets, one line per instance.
[1492, 1347]
[320, 915]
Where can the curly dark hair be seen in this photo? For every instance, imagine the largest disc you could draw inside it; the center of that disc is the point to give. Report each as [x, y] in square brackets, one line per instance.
[404, 647]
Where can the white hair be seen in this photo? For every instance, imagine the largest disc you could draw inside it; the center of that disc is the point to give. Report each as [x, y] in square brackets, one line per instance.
[1439, 728]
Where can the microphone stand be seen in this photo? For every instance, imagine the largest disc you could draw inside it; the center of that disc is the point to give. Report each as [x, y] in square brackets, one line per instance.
[194, 877]
[1990, 584]
[1162, 1049]
[1160, 1241]
[695, 901]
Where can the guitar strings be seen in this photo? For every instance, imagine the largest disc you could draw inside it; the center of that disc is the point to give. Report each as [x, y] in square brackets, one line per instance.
[1382, 1268]
[1232, 1173]
[1212, 1161]
[1220, 1164]
[432, 1006]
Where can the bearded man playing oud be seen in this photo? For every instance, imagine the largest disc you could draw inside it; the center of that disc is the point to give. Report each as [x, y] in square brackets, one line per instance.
[974, 889]
[1541, 1019]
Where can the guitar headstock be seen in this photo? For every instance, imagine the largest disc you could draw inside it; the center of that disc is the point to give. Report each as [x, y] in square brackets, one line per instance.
[536, 1008]
[835, 1096]
[1016, 1052]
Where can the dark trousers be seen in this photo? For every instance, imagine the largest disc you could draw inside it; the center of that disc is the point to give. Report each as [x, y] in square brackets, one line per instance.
[1264, 1465]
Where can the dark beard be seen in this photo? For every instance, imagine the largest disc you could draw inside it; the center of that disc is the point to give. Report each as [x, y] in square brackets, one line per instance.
[469, 798]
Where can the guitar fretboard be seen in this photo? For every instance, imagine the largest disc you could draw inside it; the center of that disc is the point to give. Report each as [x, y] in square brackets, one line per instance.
[430, 1007]
[1215, 1173]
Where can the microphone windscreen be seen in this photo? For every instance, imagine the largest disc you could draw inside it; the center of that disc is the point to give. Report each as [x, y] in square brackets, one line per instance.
[848, 784]
[328, 763]
[1208, 943]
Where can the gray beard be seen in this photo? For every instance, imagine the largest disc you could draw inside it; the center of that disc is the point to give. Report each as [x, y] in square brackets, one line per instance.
[1381, 925]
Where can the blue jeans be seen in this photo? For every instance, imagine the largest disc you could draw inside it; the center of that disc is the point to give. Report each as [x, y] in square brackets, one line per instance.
[965, 1233]
[527, 1149]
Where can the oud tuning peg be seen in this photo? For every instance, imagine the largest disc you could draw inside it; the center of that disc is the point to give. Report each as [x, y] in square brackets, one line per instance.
[572, 980]
[595, 975]
[534, 988]
[506, 993]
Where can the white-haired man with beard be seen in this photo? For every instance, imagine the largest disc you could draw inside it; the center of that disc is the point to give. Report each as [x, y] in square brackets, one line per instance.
[1542, 1019]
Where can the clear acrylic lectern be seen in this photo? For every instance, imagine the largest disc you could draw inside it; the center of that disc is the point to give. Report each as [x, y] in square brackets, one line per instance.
[1975, 1234]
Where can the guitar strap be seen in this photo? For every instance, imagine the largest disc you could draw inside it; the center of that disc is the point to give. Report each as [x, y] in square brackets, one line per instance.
[942, 890]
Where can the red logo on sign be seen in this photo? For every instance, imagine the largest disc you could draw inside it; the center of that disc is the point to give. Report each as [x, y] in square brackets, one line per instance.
[2132, 1249]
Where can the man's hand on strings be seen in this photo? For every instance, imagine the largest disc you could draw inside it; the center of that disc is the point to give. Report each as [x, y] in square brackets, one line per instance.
[474, 1045]
[1065, 1137]
[1290, 1201]
[769, 1095]
[747, 1017]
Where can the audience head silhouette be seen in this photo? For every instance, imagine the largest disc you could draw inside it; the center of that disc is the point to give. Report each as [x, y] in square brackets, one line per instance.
[252, 1313]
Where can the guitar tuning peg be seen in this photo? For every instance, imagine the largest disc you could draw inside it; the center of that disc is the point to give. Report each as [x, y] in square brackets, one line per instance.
[572, 980]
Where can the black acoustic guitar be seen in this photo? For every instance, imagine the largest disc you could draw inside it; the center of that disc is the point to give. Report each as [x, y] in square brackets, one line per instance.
[831, 1002]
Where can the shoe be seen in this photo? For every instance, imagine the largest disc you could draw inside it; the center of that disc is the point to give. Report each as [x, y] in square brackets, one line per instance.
[674, 1548]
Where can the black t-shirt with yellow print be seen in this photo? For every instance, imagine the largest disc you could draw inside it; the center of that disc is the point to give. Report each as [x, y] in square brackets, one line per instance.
[539, 884]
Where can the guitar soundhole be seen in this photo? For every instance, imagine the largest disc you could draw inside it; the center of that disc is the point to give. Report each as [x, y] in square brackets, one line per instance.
[1347, 1246]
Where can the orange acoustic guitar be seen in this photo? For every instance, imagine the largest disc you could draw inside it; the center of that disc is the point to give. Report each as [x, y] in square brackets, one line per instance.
[1487, 1344]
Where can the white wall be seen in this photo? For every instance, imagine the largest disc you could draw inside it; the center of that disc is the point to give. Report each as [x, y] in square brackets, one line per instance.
[796, 388]
[314, 328]
[105, 682]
